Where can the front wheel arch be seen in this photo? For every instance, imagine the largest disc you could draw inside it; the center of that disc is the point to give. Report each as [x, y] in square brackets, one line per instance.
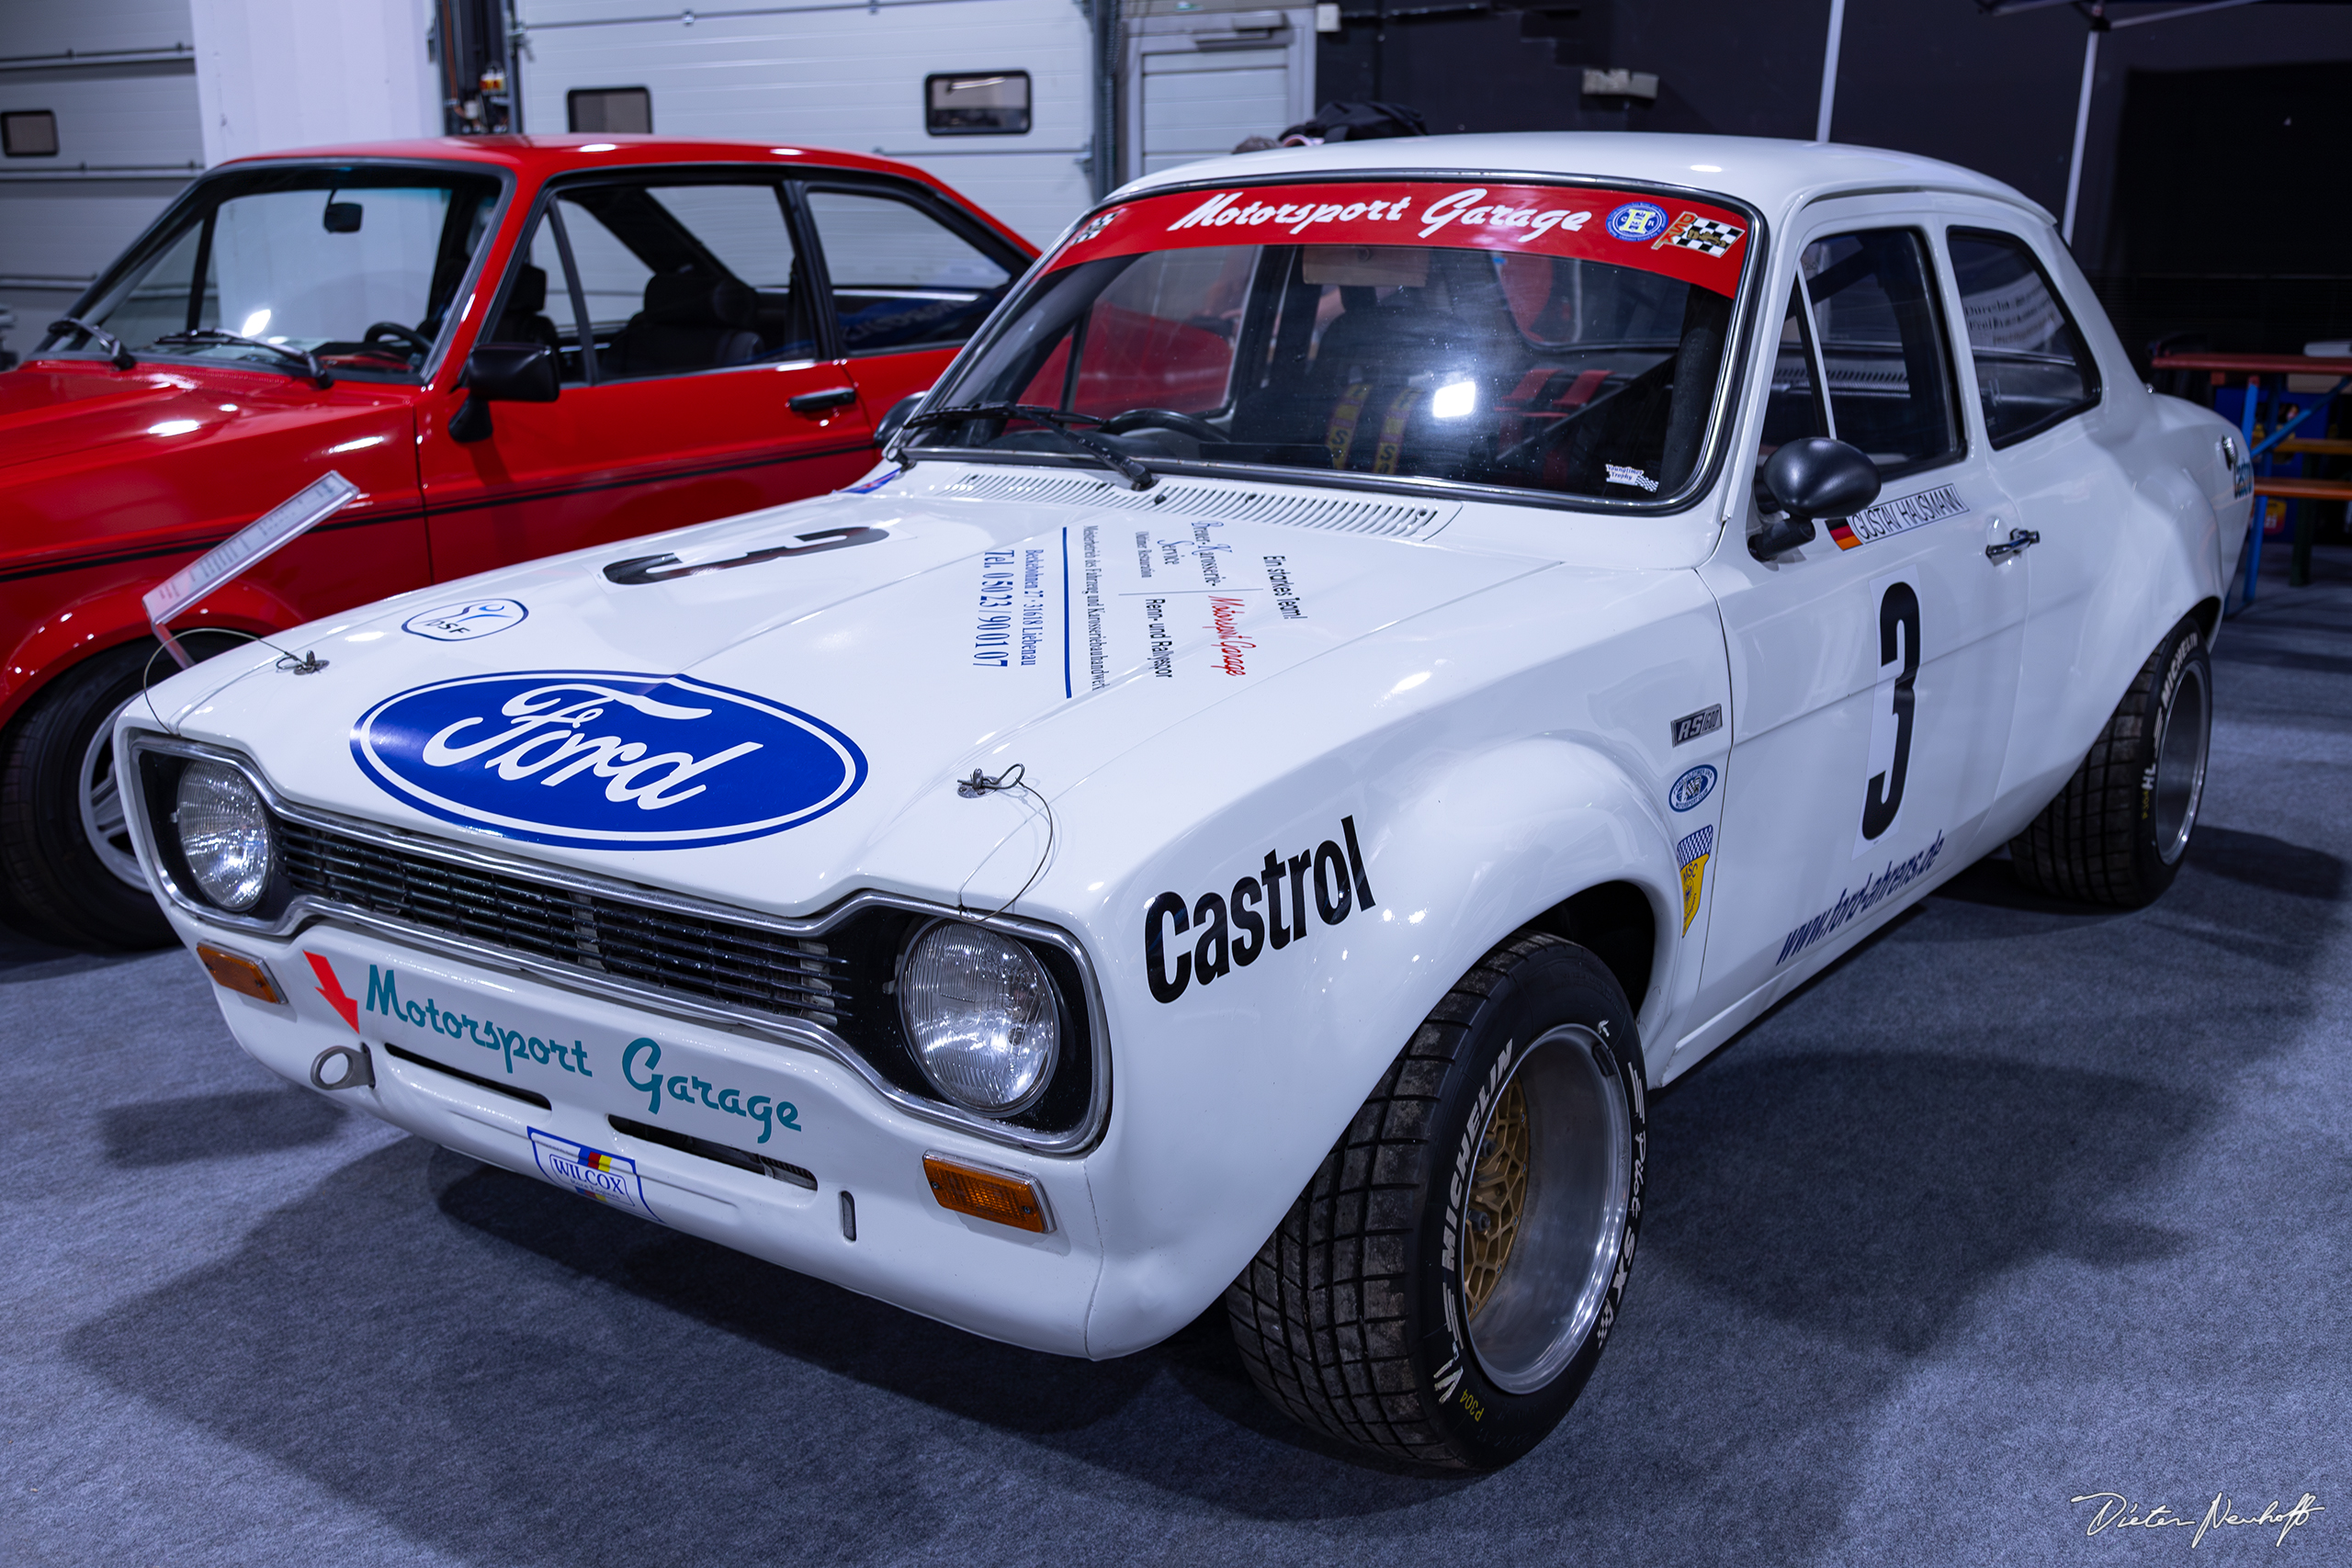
[1614, 921]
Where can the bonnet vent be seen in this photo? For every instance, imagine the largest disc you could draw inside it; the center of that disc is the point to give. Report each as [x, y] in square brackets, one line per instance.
[1338, 515]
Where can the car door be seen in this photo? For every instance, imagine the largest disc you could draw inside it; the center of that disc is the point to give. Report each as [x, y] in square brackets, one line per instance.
[1873, 670]
[697, 378]
[2038, 396]
[909, 276]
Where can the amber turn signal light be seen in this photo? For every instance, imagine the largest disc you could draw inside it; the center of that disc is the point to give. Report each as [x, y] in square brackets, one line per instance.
[987, 1194]
[242, 975]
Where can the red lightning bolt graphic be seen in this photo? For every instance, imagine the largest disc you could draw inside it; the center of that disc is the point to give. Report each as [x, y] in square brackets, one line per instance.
[332, 988]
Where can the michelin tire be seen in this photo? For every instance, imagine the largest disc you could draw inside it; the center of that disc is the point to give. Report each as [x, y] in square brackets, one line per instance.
[2118, 833]
[1441, 1292]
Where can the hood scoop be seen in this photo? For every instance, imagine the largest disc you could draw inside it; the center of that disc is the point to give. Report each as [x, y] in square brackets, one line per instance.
[1338, 515]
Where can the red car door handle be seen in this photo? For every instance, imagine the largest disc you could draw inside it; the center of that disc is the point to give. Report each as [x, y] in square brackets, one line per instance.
[818, 403]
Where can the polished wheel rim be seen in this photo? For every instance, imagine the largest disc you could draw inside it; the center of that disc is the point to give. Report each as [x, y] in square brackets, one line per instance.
[1544, 1220]
[103, 822]
[2180, 764]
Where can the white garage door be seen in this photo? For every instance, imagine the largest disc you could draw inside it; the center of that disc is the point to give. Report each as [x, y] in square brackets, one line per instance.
[1201, 105]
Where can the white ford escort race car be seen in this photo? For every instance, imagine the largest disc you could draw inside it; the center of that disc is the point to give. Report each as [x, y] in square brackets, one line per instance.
[1378, 658]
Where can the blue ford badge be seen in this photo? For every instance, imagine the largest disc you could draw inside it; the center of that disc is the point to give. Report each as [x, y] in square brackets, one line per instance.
[606, 759]
[1691, 788]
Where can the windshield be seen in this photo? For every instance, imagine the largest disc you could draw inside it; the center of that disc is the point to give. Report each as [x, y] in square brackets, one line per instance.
[357, 265]
[1560, 339]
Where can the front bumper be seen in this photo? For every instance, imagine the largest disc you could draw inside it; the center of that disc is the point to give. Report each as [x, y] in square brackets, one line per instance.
[462, 1055]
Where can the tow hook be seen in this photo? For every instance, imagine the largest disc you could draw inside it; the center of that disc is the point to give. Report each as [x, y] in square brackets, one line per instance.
[358, 1072]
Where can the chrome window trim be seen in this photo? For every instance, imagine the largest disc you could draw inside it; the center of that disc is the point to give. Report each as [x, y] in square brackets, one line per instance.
[306, 908]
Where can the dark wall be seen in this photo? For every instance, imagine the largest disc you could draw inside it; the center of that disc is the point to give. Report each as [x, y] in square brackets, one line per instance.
[2204, 145]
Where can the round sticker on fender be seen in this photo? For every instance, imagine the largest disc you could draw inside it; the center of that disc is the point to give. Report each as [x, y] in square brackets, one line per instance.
[605, 759]
[1693, 787]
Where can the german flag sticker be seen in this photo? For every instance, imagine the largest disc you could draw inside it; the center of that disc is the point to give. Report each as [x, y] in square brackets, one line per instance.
[1844, 534]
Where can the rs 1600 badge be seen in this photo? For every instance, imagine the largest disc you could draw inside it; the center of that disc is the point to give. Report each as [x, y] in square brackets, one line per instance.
[606, 758]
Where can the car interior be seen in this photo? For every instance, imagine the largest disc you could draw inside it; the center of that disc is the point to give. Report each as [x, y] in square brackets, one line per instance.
[1571, 376]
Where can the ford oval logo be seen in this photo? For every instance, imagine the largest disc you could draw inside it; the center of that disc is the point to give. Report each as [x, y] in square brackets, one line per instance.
[606, 759]
[1691, 788]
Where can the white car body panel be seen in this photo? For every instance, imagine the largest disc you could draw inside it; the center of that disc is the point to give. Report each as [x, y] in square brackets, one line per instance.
[1479, 706]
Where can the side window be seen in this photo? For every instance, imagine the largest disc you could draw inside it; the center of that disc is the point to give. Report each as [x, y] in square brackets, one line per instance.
[901, 278]
[676, 278]
[2032, 367]
[1793, 408]
[1883, 348]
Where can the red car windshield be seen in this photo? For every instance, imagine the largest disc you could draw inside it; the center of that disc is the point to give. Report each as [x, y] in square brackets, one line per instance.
[1564, 339]
[355, 264]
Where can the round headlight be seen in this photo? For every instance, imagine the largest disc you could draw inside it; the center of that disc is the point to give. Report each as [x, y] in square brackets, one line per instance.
[224, 833]
[983, 1015]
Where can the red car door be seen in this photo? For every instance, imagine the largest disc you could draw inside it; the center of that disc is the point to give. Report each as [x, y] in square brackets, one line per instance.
[697, 380]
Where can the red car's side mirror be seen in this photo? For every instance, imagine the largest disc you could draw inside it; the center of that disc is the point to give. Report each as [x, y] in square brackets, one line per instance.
[504, 373]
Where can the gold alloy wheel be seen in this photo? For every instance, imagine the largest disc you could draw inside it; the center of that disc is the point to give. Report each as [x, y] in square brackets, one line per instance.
[1544, 1220]
[1497, 1198]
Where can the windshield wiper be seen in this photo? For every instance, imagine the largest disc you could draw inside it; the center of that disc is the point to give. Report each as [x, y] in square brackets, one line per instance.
[213, 337]
[105, 342]
[1058, 420]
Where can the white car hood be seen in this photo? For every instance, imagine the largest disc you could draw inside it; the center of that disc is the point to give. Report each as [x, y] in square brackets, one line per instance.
[828, 699]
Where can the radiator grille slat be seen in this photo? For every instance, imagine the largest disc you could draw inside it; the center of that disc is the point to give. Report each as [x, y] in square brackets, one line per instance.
[696, 955]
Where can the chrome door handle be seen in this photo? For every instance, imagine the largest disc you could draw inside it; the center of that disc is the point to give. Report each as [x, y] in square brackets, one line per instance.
[2019, 540]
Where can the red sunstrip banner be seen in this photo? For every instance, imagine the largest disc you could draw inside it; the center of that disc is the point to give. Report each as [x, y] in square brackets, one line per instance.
[1691, 241]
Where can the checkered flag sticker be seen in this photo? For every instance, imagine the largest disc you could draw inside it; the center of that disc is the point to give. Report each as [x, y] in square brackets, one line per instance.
[1692, 233]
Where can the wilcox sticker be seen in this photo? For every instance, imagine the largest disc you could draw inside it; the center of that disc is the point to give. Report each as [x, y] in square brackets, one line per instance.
[607, 1177]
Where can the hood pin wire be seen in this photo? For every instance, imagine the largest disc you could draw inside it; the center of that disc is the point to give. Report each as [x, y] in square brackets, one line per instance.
[1010, 780]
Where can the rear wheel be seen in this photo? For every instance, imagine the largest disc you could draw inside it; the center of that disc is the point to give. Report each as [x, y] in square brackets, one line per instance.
[2118, 830]
[1441, 1292]
[64, 839]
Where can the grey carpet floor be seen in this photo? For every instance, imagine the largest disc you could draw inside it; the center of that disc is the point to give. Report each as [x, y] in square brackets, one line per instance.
[2020, 1202]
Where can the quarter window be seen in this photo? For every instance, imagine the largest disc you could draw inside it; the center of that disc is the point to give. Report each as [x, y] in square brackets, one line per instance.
[1882, 348]
[901, 278]
[1793, 408]
[2032, 367]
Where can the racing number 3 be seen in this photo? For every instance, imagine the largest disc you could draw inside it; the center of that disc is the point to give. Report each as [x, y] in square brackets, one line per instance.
[1897, 612]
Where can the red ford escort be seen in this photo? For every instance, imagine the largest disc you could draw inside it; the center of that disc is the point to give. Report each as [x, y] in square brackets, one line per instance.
[513, 345]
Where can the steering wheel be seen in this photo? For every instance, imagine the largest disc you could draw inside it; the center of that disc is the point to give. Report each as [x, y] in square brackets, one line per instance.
[415, 340]
[1164, 419]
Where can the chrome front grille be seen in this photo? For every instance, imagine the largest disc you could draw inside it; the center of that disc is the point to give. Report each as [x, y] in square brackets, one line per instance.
[690, 954]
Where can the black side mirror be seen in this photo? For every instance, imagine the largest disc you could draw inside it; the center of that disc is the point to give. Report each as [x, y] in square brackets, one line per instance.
[504, 373]
[893, 421]
[343, 217]
[1809, 477]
